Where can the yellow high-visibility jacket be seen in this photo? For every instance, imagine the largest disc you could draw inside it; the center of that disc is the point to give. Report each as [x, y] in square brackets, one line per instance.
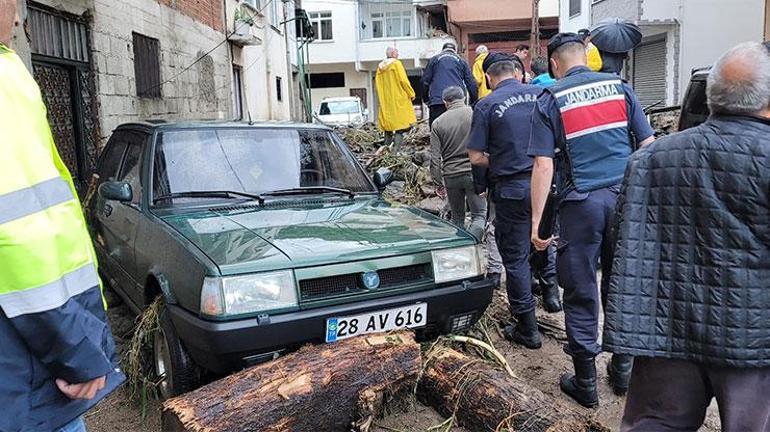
[52, 323]
[395, 94]
[478, 74]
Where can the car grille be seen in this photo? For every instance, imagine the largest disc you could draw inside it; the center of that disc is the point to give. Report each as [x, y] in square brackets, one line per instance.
[345, 284]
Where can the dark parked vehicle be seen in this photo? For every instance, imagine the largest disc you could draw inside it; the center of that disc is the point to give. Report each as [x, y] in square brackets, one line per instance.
[695, 109]
[261, 238]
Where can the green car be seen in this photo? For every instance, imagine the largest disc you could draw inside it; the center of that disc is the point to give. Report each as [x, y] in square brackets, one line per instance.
[263, 237]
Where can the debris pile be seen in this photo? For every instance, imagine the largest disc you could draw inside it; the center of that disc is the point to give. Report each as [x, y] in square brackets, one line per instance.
[665, 123]
[413, 183]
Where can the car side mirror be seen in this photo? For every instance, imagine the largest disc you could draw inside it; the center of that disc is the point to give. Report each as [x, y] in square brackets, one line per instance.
[382, 178]
[366, 113]
[116, 191]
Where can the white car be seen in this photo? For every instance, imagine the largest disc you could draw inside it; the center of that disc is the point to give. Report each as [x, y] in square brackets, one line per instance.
[343, 111]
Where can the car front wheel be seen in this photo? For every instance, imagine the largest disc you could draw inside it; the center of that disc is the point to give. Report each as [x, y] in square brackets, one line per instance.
[175, 371]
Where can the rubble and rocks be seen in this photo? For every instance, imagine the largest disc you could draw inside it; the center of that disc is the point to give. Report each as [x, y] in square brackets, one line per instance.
[665, 123]
[410, 166]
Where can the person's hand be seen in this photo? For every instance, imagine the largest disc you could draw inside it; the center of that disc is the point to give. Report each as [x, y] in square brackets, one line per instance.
[539, 243]
[441, 192]
[483, 194]
[86, 390]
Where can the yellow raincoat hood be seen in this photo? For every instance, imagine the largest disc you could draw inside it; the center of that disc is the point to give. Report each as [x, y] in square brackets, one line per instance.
[395, 94]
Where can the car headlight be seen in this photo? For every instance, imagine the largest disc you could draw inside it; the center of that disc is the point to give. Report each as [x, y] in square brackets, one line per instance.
[456, 264]
[237, 295]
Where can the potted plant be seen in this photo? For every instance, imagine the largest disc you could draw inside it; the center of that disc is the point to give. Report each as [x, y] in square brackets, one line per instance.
[243, 23]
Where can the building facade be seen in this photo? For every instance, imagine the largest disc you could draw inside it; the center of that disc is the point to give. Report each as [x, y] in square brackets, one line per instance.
[503, 25]
[100, 63]
[679, 36]
[351, 38]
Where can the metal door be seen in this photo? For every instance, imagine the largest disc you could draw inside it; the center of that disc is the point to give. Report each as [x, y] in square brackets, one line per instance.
[649, 72]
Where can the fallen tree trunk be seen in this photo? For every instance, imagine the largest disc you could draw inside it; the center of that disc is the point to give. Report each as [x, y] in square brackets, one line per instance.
[483, 398]
[332, 387]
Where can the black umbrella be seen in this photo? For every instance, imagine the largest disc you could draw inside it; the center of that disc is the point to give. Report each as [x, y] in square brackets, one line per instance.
[616, 35]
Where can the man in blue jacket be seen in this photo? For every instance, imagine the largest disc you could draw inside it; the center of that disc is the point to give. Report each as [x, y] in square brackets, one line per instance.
[444, 70]
[57, 355]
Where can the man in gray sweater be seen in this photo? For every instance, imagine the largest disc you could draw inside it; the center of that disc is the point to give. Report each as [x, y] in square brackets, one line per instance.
[449, 160]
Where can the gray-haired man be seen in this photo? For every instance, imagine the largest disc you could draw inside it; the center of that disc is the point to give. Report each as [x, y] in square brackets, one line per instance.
[449, 160]
[689, 293]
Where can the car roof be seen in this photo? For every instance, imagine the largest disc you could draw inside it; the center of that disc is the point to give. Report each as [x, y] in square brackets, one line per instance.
[341, 99]
[161, 125]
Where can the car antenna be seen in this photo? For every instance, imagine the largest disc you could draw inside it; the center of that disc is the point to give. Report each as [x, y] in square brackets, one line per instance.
[251, 123]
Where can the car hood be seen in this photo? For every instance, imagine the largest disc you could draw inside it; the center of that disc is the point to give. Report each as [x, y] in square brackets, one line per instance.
[300, 233]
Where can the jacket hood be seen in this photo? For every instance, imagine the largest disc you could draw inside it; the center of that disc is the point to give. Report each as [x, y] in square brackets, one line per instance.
[385, 64]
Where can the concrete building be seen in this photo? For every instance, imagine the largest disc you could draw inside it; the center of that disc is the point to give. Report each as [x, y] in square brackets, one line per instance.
[351, 39]
[501, 25]
[100, 63]
[679, 35]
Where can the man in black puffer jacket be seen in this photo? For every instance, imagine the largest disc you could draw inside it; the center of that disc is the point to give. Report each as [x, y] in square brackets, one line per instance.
[689, 295]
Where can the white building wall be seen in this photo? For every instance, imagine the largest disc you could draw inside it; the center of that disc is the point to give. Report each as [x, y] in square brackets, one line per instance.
[710, 28]
[569, 23]
[344, 31]
[549, 8]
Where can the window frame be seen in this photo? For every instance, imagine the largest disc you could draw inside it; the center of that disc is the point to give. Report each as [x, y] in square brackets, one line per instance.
[579, 8]
[147, 82]
[317, 19]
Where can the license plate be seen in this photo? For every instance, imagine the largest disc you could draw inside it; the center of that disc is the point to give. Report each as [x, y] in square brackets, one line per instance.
[411, 316]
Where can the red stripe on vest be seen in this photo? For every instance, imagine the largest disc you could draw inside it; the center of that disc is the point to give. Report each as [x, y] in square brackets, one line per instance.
[593, 116]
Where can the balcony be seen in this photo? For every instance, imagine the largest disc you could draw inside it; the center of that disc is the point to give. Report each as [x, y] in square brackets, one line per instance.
[414, 52]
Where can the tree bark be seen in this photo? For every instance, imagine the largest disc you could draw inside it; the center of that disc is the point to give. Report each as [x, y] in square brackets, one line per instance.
[483, 398]
[333, 387]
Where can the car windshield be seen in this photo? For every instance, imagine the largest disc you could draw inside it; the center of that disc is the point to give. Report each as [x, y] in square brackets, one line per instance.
[339, 107]
[253, 161]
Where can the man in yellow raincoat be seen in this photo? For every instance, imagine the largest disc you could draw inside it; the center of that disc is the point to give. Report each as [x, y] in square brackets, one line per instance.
[395, 92]
[478, 71]
[592, 53]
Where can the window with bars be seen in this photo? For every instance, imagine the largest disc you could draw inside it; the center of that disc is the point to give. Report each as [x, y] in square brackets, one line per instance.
[147, 66]
[575, 7]
[322, 25]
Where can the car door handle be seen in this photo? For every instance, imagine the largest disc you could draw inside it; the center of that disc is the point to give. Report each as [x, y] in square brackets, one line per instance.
[107, 210]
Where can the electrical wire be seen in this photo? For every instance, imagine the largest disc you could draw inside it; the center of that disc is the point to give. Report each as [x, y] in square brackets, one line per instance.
[227, 38]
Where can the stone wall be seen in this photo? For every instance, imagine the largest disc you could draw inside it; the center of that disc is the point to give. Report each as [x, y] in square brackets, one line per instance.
[628, 9]
[200, 91]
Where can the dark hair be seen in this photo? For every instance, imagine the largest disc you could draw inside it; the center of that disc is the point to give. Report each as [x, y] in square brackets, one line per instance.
[584, 33]
[522, 47]
[539, 65]
[449, 45]
[505, 67]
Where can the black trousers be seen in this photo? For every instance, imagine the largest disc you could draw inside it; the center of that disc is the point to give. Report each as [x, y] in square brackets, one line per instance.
[672, 395]
[435, 111]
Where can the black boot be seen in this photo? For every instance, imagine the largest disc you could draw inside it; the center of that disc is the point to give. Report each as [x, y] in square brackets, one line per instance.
[551, 300]
[619, 371]
[582, 385]
[525, 331]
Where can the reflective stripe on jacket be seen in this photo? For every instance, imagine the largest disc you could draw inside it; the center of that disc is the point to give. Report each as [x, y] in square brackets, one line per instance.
[52, 319]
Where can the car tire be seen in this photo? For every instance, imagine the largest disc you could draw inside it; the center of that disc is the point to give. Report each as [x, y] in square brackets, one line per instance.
[175, 371]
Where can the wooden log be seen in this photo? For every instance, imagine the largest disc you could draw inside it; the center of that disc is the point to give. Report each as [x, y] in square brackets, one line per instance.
[484, 398]
[333, 387]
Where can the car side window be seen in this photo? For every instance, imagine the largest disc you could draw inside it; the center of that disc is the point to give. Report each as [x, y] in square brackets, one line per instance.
[113, 154]
[131, 169]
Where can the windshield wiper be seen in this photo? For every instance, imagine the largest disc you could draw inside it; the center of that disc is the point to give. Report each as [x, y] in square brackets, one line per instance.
[210, 194]
[311, 190]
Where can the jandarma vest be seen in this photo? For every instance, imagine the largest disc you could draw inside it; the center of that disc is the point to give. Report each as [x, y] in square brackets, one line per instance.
[594, 116]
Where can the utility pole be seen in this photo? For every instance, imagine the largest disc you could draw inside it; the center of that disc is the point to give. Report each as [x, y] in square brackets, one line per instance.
[535, 37]
[289, 73]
